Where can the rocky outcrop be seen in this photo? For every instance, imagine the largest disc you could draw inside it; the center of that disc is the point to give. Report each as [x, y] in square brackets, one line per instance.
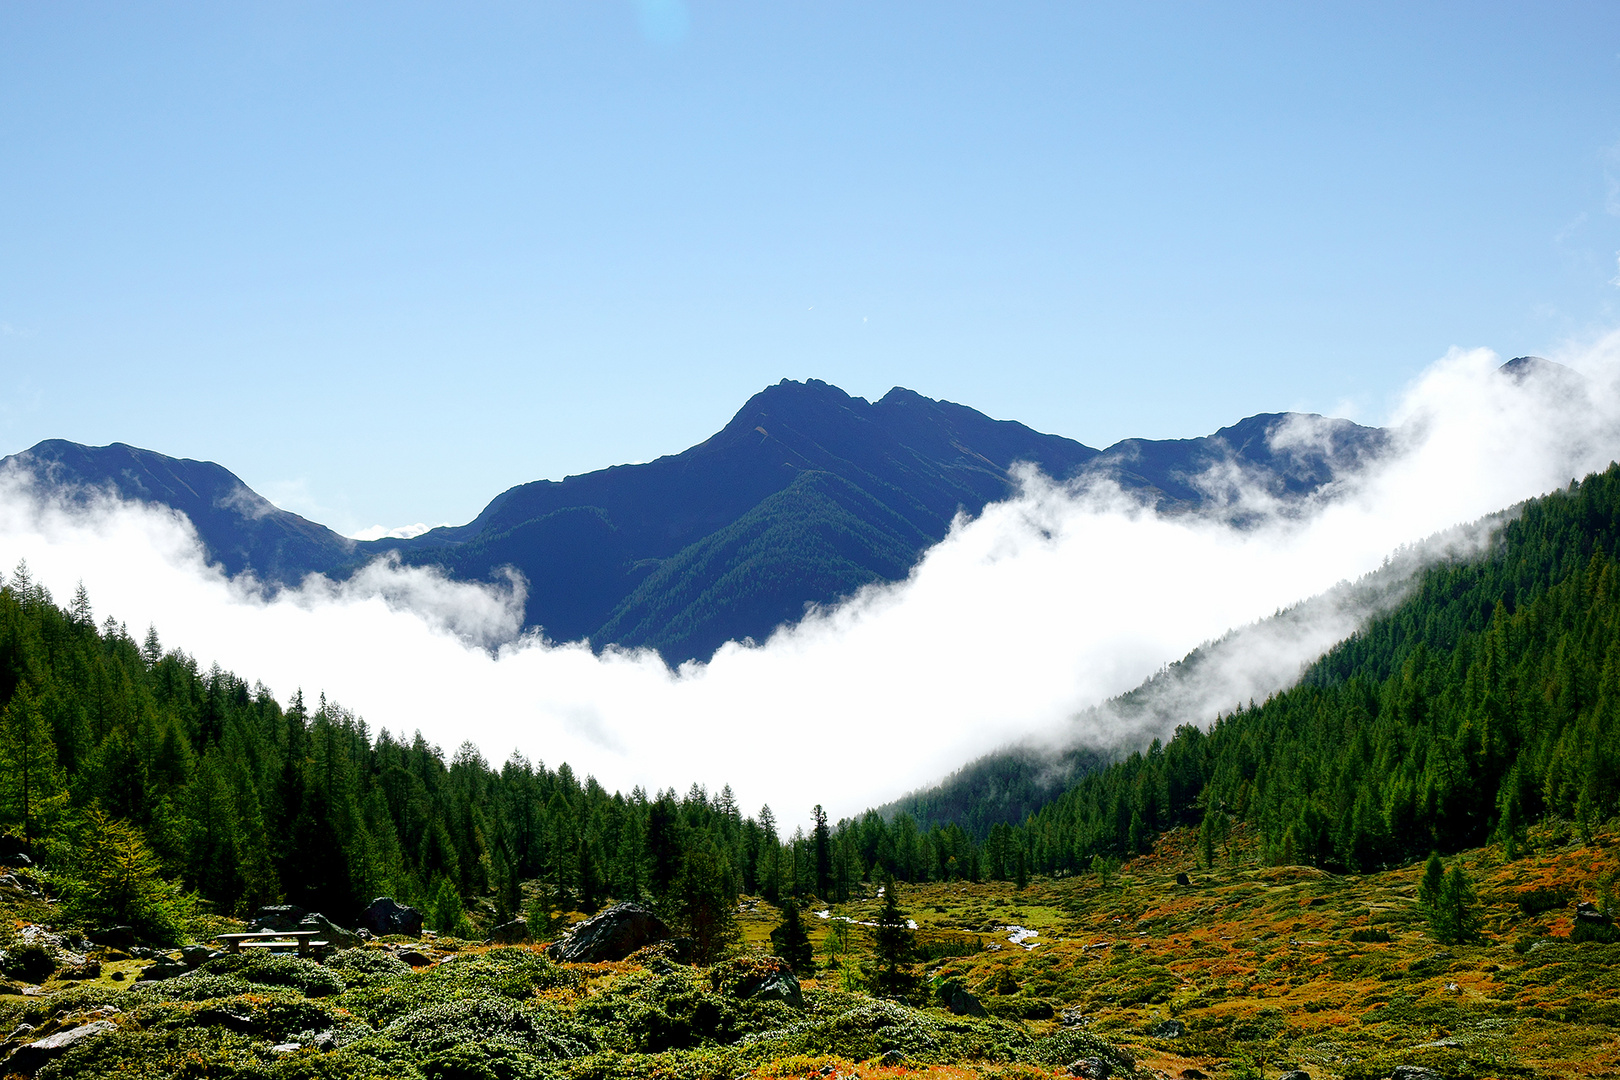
[330, 932]
[280, 917]
[384, 917]
[29, 1058]
[962, 1003]
[770, 979]
[515, 932]
[610, 935]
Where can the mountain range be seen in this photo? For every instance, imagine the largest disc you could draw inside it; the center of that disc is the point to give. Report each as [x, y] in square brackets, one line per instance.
[804, 497]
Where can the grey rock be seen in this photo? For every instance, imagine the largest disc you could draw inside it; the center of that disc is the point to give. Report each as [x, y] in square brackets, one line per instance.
[330, 931]
[20, 1032]
[28, 1059]
[414, 957]
[1414, 1072]
[515, 932]
[286, 1048]
[385, 917]
[114, 937]
[1169, 1029]
[610, 935]
[162, 969]
[779, 985]
[891, 1058]
[962, 1003]
[1296, 1074]
[90, 969]
[1091, 1068]
[1074, 1016]
[278, 917]
[197, 955]
[1588, 912]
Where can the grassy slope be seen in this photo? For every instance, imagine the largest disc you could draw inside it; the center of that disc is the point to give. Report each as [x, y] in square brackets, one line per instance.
[1255, 961]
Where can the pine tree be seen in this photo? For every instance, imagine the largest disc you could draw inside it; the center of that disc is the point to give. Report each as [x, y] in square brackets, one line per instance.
[703, 900]
[80, 607]
[1450, 903]
[32, 788]
[822, 839]
[1434, 876]
[894, 947]
[151, 648]
[792, 942]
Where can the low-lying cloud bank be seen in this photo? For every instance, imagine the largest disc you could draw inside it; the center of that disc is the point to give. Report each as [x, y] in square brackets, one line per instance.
[1008, 630]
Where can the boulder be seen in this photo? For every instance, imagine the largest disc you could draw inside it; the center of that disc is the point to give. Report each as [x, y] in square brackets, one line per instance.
[962, 1003]
[330, 932]
[610, 935]
[776, 984]
[90, 969]
[1183, 880]
[1169, 1029]
[13, 850]
[1295, 1074]
[113, 937]
[1091, 1068]
[29, 1058]
[1414, 1072]
[1192, 1074]
[1588, 912]
[414, 958]
[162, 969]
[891, 1058]
[515, 932]
[281, 917]
[385, 917]
[198, 955]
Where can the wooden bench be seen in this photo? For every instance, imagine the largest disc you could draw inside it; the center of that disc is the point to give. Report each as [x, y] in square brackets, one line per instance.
[304, 940]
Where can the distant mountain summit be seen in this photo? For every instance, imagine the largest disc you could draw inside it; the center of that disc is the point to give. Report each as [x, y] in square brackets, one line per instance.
[242, 530]
[804, 497]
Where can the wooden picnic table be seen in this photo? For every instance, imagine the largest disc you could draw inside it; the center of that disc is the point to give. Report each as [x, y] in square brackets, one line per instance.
[264, 939]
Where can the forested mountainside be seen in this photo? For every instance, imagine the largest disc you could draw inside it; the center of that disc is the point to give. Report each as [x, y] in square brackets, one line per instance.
[1485, 701]
[1489, 699]
[805, 496]
[247, 802]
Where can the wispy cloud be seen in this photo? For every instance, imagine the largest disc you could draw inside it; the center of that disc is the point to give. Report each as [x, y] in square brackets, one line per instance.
[1024, 617]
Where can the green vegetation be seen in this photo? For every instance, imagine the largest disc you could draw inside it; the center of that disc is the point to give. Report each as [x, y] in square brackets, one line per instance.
[1487, 701]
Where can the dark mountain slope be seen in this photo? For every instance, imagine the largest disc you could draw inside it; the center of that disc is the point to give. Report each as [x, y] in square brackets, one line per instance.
[1286, 454]
[805, 496]
[240, 529]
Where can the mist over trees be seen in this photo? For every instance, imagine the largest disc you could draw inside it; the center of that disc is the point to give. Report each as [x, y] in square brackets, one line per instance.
[1488, 700]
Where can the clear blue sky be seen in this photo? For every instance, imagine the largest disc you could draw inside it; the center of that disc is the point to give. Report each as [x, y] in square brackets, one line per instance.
[385, 260]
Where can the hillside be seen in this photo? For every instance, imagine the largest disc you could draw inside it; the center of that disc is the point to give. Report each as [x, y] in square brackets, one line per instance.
[805, 496]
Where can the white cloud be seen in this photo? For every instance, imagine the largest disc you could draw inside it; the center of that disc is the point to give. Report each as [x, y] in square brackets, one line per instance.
[1043, 605]
[398, 532]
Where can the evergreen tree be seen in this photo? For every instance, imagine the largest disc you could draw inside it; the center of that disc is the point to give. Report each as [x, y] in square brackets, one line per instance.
[703, 900]
[151, 648]
[792, 943]
[1452, 907]
[894, 945]
[32, 792]
[80, 607]
[821, 838]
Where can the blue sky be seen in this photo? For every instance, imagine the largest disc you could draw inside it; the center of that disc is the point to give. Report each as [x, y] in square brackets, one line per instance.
[386, 260]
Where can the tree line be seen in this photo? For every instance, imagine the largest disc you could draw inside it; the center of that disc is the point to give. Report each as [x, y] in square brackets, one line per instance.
[242, 800]
[1488, 699]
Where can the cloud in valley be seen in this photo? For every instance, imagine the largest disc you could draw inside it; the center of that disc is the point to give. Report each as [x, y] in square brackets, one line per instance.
[1020, 620]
